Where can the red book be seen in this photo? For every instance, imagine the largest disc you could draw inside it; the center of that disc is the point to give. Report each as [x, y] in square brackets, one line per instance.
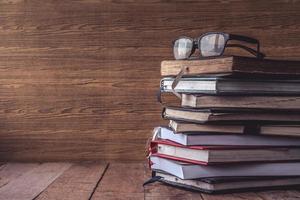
[205, 155]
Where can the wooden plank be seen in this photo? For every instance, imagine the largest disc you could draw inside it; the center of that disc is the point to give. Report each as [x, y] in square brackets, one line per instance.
[234, 196]
[159, 191]
[30, 184]
[11, 171]
[122, 181]
[60, 142]
[78, 182]
[279, 194]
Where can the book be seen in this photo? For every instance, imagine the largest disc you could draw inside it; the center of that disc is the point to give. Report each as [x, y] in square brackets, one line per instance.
[222, 154]
[230, 116]
[192, 171]
[280, 130]
[263, 129]
[246, 102]
[181, 127]
[225, 139]
[230, 184]
[230, 86]
[232, 65]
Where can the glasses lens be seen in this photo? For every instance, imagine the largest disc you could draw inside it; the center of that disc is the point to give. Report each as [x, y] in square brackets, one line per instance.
[212, 45]
[182, 48]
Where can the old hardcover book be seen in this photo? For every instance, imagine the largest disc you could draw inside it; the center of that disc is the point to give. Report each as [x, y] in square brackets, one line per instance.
[180, 127]
[231, 86]
[225, 139]
[280, 130]
[185, 170]
[229, 116]
[264, 129]
[222, 154]
[230, 184]
[257, 102]
[231, 65]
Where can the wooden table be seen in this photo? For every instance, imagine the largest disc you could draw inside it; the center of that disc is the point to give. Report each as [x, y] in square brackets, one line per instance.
[105, 181]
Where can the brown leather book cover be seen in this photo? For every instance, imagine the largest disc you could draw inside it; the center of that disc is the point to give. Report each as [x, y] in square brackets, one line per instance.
[232, 65]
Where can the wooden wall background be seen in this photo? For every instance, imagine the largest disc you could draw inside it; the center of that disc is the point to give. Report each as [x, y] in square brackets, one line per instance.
[78, 78]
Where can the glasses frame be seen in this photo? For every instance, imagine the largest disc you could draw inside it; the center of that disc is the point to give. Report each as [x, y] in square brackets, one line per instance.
[227, 37]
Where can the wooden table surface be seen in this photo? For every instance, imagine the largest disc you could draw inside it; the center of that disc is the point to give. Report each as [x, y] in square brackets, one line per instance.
[90, 180]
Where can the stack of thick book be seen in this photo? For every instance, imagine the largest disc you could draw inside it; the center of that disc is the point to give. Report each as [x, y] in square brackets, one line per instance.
[237, 128]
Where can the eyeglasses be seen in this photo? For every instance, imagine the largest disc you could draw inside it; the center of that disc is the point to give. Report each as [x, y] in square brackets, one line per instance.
[212, 44]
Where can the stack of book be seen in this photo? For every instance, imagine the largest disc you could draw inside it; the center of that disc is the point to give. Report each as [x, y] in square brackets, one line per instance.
[237, 128]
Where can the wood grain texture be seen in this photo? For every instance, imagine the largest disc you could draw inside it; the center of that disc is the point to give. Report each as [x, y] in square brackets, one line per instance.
[280, 194]
[122, 181]
[91, 180]
[159, 191]
[235, 196]
[11, 171]
[32, 183]
[76, 183]
[78, 78]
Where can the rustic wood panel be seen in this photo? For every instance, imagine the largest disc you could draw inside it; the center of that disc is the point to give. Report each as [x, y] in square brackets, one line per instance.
[11, 171]
[90, 180]
[32, 183]
[78, 78]
[122, 181]
[280, 194]
[76, 183]
[159, 191]
[235, 196]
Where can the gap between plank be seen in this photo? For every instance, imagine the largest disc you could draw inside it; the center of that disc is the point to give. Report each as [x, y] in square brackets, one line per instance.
[98, 182]
[71, 164]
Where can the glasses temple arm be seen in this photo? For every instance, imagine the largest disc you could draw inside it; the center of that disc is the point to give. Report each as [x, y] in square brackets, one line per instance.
[252, 51]
[243, 38]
